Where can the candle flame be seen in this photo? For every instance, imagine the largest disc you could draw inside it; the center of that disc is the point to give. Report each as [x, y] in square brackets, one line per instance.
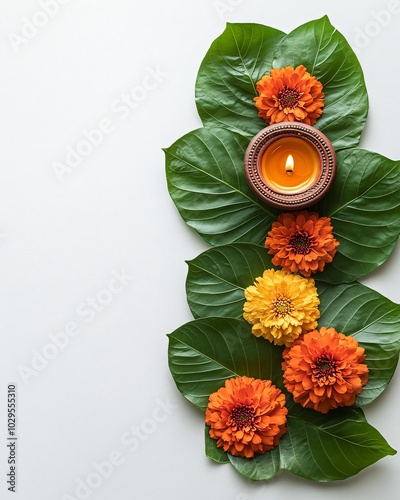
[289, 167]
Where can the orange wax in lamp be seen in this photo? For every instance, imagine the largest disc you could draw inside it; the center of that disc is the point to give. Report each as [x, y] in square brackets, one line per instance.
[290, 165]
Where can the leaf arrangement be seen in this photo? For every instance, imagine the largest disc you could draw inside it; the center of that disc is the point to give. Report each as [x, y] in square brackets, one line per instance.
[207, 183]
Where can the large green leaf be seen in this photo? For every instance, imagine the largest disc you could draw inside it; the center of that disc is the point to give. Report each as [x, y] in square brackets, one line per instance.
[330, 447]
[237, 59]
[364, 206]
[374, 321]
[320, 447]
[217, 278]
[206, 180]
[204, 353]
[225, 86]
[327, 55]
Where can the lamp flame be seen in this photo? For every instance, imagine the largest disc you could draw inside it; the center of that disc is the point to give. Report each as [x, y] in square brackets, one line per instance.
[289, 167]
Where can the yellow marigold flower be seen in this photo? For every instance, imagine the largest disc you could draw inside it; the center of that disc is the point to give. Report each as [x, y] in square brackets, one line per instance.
[324, 369]
[301, 241]
[281, 306]
[289, 94]
[247, 416]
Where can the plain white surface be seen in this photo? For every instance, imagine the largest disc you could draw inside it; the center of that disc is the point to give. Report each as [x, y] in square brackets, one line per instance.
[63, 243]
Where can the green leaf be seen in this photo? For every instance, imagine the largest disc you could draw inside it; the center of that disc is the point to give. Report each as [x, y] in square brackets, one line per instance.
[259, 468]
[330, 447]
[237, 60]
[320, 447]
[204, 353]
[217, 278]
[327, 55]
[374, 321]
[364, 206]
[212, 451]
[225, 86]
[206, 180]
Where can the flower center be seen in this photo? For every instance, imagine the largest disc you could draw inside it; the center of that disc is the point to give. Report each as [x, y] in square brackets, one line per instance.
[288, 98]
[282, 306]
[325, 368]
[242, 416]
[301, 242]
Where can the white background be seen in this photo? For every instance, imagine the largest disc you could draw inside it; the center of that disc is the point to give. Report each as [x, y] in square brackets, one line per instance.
[61, 242]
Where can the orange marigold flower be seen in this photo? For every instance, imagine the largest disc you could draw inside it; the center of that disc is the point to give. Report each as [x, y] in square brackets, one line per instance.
[281, 306]
[301, 241]
[324, 369]
[289, 94]
[247, 416]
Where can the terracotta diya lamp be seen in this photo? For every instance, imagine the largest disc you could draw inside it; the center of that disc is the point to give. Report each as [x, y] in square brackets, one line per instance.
[290, 165]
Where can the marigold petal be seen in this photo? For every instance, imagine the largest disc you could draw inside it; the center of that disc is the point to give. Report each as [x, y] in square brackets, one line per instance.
[281, 306]
[290, 94]
[247, 416]
[301, 242]
[322, 369]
